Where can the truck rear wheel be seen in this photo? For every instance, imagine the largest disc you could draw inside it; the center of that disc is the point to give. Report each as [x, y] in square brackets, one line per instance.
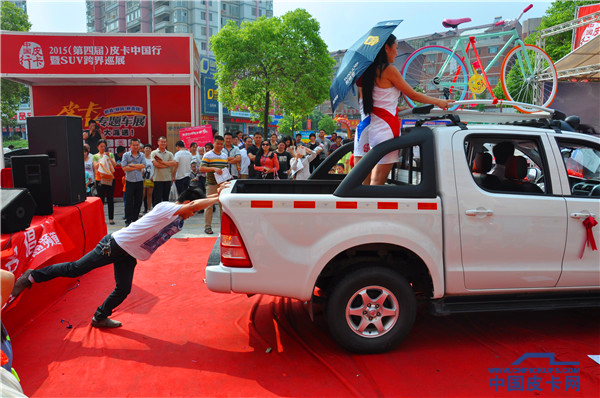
[371, 310]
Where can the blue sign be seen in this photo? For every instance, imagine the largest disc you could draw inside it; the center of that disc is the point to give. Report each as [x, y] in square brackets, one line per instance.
[210, 103]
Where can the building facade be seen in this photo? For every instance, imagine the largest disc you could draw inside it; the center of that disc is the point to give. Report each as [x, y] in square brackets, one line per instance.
[200, 18]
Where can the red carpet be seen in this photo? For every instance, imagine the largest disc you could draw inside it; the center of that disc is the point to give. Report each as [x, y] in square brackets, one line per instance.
[181, 340]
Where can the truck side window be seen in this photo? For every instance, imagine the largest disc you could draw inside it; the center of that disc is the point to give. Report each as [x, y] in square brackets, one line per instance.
[506, 164]
[582, 164]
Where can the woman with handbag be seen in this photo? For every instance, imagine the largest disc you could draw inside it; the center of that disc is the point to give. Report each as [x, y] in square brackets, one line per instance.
[266, 162]
[104, 167]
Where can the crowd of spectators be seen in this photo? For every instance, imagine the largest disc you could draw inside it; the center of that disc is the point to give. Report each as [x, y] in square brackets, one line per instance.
[153, 175]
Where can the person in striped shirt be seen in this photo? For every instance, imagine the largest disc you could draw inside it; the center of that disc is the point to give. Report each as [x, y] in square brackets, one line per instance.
[213, 162]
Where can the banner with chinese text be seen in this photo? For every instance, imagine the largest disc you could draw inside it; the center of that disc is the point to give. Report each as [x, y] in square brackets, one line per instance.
[198, 134]
[589, 31]
[91, 54]
[120, 111]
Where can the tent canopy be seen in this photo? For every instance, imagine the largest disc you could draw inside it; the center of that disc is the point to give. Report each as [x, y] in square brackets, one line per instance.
[582, 63]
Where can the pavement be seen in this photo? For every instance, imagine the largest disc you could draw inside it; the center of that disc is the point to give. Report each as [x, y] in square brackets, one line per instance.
[192, 228]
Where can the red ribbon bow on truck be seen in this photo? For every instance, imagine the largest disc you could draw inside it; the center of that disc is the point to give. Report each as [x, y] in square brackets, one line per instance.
[589, 223]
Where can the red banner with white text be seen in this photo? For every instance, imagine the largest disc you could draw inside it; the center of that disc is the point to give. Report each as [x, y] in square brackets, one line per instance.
[30, 248]
[93, 54]
[589, 31]
[201, 135]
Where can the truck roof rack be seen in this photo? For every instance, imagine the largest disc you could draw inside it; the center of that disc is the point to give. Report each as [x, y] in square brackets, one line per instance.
[540, 118]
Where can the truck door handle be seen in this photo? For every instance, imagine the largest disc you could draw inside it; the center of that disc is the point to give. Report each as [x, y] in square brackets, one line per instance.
[479, 212]
[583, 214]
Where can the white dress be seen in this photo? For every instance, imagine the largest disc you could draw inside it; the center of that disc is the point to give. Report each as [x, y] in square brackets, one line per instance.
[385, 124]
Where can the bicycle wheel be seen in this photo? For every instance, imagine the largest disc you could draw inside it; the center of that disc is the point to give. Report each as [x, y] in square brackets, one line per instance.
[422, 71]
[529, 76]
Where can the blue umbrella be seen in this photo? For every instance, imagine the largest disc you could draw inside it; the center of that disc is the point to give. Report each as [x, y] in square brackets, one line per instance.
[358, 58]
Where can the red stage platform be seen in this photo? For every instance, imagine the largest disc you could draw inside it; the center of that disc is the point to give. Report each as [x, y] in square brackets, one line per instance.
[66, 235]
[179, 339]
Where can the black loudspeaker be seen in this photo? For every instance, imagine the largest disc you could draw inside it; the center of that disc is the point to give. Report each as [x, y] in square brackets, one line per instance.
[18, 207]
[33, 172]
[61, 138]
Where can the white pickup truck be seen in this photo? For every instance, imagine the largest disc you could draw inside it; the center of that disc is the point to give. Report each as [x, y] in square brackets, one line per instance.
[451, 225]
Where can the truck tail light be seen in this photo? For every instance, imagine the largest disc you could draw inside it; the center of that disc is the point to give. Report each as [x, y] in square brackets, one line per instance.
[233, 251]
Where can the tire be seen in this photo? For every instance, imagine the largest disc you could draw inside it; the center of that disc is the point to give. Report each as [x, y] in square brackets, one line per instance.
[533, 85]
[361, 295]
[422, 67]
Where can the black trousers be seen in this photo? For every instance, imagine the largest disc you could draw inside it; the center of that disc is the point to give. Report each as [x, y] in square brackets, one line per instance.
[107, 251]
[134, 192]
[161, 192]
[182, 184]
[109, 192]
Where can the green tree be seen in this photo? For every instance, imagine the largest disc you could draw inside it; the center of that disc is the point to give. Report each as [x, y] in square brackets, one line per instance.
[280, 62]
[326, 123]
[289, 124]
[12, 93]
[315, 117]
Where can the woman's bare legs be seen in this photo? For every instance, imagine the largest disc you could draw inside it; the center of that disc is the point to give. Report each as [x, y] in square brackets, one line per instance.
[380, 173]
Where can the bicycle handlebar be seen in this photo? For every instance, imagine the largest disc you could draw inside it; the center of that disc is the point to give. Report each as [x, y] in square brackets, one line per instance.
[524, 11]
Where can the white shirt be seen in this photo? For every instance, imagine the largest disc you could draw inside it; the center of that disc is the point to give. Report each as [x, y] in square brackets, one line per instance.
[245, 162]
[141, 238]
[183, 157]
[304, 172]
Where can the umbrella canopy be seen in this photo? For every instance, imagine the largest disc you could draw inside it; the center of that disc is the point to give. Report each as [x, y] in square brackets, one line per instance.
[358, 58]
[404, 51]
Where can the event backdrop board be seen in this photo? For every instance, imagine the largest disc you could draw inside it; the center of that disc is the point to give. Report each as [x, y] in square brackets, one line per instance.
[120, 111]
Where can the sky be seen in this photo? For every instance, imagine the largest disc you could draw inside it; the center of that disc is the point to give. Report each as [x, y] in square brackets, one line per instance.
[342, 22]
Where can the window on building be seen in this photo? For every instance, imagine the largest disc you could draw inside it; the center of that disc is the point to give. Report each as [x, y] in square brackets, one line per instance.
[203, 15]
[492, 49]
[493, 80]
[210, 16]
[180, 16]
[203, 45]
[224, 7]
[181, 29]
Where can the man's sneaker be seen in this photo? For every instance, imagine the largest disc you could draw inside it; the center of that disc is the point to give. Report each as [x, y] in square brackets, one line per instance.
[105, 323]
[22, 283]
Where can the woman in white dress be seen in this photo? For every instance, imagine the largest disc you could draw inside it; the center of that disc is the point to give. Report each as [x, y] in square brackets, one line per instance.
[382, 85]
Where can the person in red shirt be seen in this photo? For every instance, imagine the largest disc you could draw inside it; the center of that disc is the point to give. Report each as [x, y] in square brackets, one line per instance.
[266, 161]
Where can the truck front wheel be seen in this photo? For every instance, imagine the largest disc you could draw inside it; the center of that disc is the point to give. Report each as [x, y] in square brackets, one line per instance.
[371, 310]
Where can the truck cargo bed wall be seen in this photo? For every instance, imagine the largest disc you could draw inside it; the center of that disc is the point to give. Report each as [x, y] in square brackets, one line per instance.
[285, 186]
